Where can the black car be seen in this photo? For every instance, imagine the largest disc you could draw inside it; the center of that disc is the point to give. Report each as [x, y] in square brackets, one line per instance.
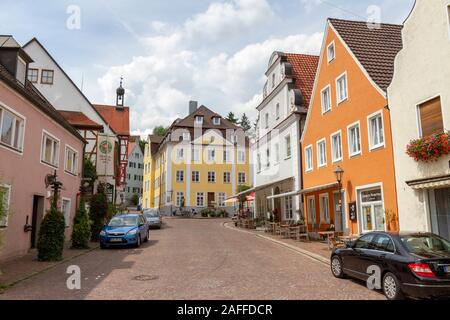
[415, 265]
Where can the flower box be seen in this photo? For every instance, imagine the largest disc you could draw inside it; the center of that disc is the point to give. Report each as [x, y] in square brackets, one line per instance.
[429, 148]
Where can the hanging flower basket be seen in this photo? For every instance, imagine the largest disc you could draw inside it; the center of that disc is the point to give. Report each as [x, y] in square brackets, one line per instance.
[429, 148]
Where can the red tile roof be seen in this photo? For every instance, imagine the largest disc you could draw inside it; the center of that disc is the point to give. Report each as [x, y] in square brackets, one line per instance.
[304, 68]
[118, 120]
[208, 115]
[79, 120]
[131, 146]
[375, 48]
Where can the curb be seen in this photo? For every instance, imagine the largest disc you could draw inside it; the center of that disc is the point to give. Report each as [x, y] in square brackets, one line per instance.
[309, 254]
[5, 287]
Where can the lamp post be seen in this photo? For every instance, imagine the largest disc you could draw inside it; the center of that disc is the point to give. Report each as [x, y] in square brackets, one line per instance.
[339, 173]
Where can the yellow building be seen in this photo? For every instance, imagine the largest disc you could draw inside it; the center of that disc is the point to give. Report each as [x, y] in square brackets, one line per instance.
[201, 162]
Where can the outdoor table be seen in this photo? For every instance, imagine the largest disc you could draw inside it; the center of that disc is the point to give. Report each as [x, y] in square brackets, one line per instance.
[327, 234]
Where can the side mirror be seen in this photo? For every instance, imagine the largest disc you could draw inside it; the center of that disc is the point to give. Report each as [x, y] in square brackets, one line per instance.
[350, 244]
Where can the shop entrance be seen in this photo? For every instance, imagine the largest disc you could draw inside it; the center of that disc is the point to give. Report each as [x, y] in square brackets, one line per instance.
[372, 210]
[442, 220]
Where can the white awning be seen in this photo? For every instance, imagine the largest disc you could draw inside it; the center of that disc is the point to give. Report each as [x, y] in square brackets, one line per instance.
[319, 188]
[284, 195]
[431, 185]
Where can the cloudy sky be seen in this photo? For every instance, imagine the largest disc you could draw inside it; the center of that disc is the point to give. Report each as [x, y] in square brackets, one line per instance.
[173, 51]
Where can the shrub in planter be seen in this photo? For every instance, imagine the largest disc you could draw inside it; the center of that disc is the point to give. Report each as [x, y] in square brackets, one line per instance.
[429, 148]
[222, 214]
[51, 236]
[81, 233]
[98, 212]
[206, 213]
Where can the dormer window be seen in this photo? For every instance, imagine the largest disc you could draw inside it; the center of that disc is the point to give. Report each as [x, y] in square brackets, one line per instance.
[331, 52]
[21, 71]
[33, 75]
[199, 119]
[47, 76]
[216, 121]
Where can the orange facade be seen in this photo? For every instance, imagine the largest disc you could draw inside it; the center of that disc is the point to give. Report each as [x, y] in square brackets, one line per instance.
[369, 178]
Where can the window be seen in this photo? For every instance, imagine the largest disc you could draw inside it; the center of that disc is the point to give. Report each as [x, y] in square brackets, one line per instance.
[324, 209]
[226, 156]
[180, 176]
[226, 177]
[211, 177]
[47, 76]
[50, 150]
[66, 208]
[277, 111]
[199, 120]
[342, 88]
[180, 154]
[288, 149]
[376, 132]
[365, 242]
[288, 209]
[326, 99]
[200, 199]
[241, 157]
[258, 163]
[186, 136]
[277, 153]
[311, 210]
[216, 121]
[180, 199]
[309, 158]
[21, 70]
[354, 140]
[322, 153]
[5, 196]
[267, 158]
[33, 75]
[195, 176]
[331, 52]
[221, 199]
[336, 147]
[430, 117]
[211, 155]
[267, 121]
[71, 161]
[11, 130]
[241, 178]
[195, 155]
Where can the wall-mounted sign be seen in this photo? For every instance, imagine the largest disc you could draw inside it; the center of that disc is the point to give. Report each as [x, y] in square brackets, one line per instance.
[353, 212]
[371, 195]
[105, 155]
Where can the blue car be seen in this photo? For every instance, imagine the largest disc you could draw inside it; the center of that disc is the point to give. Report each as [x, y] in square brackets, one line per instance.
[125, 230]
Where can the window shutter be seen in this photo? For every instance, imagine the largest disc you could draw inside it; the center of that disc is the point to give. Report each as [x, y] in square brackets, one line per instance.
[431, 117]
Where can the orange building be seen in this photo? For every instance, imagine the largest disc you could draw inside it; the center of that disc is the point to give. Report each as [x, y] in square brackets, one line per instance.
[348, 128]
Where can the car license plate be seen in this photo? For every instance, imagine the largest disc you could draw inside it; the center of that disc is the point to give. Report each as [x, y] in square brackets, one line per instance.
[116, 240]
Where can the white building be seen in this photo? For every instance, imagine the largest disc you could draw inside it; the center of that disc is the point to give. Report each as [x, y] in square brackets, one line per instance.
[419, 99]
[277, 152]
[135, 172]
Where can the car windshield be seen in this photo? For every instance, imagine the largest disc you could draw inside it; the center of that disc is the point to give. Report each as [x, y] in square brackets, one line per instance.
[123, 222]
[420, 244]
[151, 214]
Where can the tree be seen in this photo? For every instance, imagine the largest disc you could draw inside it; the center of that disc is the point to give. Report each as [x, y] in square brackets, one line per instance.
[160, 131]
[232, 118]
[98, 212]
[135, 200]
[142, 145]
[89, 172]
[81, 233]
[245, 123]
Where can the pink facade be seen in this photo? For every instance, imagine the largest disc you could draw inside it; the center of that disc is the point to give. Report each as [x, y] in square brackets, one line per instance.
[24, 173]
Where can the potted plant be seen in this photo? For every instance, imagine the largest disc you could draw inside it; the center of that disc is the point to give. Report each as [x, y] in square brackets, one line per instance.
[429, 148]
[391, 220]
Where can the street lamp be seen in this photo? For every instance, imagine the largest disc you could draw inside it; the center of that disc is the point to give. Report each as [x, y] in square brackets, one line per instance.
[339, 173]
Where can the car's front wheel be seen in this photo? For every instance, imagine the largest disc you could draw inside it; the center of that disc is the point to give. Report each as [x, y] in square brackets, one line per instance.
[391, 287]
[138, 242]
[337, 268]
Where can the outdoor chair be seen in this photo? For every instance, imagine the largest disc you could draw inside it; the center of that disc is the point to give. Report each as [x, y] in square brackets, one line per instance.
[303, 233]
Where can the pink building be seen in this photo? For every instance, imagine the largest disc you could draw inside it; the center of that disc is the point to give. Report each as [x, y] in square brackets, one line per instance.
[35, 140]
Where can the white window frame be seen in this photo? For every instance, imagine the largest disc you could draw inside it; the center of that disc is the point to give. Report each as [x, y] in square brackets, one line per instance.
[326, 88]
[312, 216]
[75, 164]
[226, 156]
[29, 75]
[211, 175]
[349, 137]
[228, 175]
[323, 217]
[331, 59]
[333, 151]
[195, 155]
[180, 154]
[369, 131]
[51, 136]
[241, 157]
[221, 198]
[211, 154]
[288, 147]
[200, 195]
[195, 173]
[277, 153]
[186, 136]
[216, 121]
[8, 204]
[179, 198]
[340, 99]
[309, 166]
[319, 164]
[198, 119]
[178, 175]
[288, 208]
[66, 218]
[22, 140]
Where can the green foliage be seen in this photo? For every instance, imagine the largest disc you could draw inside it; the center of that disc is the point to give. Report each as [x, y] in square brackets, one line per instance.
[51, 236]
[245, 123]
[135, 200]
[429, 148]
[222, 213]
[90, 172]
[160, 131]
[3, 203]
[242, 188]
[98, 212]
[206, 212]
[81, 233]
[232, 118]
[142, 145]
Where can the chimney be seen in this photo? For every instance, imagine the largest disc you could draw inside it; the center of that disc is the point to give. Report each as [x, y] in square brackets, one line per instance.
[193, 105]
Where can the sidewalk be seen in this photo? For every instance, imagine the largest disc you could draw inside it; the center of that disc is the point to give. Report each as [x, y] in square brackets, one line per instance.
[19, 269]
[314, 249]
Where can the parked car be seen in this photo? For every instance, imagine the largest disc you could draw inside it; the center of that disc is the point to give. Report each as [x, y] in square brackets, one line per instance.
[415, 265]
[153, 217]
[125, 230]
